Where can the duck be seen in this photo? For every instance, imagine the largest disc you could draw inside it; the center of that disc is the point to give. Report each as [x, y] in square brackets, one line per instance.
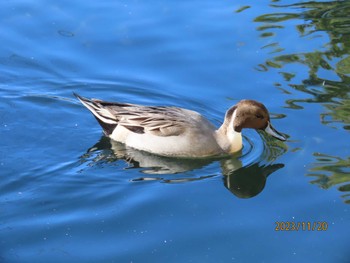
[177, 132]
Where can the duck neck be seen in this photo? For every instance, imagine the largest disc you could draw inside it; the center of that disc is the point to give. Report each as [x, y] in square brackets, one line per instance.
[229, 140]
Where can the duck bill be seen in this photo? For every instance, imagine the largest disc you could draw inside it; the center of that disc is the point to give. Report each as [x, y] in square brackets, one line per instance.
[271, 130]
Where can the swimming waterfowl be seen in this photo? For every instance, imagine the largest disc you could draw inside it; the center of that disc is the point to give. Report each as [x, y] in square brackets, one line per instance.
[178, 132]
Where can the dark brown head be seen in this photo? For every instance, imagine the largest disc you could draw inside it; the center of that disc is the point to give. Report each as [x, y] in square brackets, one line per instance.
[251, 114]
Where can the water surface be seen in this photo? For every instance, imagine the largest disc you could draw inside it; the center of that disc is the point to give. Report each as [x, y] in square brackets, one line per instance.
[69, 194]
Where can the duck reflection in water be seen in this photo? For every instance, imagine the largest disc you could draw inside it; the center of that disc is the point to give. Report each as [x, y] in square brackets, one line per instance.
[249, 181]
[243, 182]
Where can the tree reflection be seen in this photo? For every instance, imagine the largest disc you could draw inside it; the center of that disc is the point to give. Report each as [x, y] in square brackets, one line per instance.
[338, 170]
[328, 79]
[333, 19]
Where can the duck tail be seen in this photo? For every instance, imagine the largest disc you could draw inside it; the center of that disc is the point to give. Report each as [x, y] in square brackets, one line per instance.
[102, 114]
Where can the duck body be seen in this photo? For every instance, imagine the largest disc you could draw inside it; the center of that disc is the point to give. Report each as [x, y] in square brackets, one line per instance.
[199, 140]
[173, 131]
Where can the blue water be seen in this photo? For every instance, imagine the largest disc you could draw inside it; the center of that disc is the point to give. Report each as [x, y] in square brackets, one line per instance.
[65, 195]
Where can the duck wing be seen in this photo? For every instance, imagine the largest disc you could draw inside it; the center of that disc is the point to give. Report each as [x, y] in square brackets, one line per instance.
[157, 120]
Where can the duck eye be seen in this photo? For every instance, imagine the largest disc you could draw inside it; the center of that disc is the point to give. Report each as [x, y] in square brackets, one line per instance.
[259, 116]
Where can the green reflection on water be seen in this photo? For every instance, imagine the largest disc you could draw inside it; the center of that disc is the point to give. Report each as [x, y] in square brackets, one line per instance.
[328, 22]
[338, 171]
[242, 8]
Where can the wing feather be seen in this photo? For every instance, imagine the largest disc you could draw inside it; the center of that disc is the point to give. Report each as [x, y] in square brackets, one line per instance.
[157, 120]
